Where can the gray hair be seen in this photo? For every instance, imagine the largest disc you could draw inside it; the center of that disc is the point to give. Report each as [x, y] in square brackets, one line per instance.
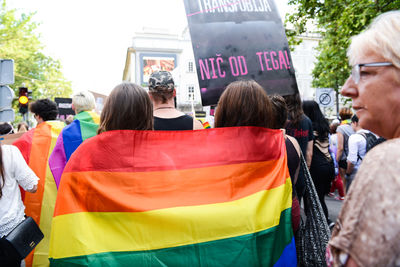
[382, 37]
[83, 101]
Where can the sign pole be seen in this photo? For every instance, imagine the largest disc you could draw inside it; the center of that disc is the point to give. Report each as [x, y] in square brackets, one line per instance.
[337, 104]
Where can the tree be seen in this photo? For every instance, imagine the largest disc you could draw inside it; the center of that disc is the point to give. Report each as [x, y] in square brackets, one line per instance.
[336, 21]
[20, 42]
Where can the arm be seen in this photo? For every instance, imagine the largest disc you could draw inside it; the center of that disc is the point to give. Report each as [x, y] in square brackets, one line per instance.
[309, 153]
[352, 157]
[25, 177]
[340, 146]
[33, 190]
[197, 125]
[350, 168]
[298, 149]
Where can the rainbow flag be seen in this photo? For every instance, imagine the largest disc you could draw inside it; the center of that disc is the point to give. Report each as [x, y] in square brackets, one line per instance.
[206, 125]
[36, 146]
[84, 126]
[180, 198]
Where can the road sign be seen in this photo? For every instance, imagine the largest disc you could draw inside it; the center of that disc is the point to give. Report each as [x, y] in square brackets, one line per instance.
[325, 97]
[6, 98]
[6, 71]
[7, 115]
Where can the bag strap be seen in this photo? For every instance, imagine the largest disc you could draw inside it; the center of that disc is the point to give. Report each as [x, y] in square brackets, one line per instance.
[310, 188]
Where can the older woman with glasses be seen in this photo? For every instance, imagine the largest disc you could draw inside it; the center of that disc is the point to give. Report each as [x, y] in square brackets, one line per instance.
[367, 231]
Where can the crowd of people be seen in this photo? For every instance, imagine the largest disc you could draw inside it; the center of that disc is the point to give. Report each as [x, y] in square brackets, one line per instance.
[367, 230]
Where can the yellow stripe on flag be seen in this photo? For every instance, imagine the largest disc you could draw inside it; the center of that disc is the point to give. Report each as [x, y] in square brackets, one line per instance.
[48, 203]
[88, 233]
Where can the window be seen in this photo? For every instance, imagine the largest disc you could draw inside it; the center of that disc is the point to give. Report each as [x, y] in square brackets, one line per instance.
[190, 92]
[190, 66]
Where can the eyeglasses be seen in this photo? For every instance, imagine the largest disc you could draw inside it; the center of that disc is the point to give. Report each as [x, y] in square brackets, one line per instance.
[355, 71]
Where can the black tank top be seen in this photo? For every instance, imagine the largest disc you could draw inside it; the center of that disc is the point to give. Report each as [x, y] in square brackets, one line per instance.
[184, 122]
[293, 159]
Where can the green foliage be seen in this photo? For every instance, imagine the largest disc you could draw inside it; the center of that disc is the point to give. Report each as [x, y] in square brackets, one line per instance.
[336, 21]
[20, 42]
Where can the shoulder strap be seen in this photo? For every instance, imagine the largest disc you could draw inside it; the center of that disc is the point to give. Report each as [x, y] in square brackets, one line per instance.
[366, 143]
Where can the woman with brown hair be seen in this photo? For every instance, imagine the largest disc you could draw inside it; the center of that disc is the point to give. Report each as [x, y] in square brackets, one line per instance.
[244, 103]
[128, 107]
[300, 127]
[293, 154]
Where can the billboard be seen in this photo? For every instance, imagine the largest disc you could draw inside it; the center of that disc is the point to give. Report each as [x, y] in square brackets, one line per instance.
[239, 39]
[150, 63]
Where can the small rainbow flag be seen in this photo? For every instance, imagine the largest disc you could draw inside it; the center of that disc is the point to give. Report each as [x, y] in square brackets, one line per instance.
[178, 198]
[206, 125]
[36, 146]
[84, 126]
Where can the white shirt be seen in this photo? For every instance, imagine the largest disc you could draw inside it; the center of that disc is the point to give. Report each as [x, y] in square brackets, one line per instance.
[357, 147]
[17, 173]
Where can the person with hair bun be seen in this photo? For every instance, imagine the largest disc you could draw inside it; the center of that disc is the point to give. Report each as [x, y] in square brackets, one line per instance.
[166, 117]
[367, 230]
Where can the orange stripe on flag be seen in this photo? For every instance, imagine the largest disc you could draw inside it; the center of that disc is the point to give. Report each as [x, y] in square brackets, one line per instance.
[33, 202]
[144, 191]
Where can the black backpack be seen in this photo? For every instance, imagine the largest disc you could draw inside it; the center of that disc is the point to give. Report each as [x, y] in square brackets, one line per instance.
[371, 142]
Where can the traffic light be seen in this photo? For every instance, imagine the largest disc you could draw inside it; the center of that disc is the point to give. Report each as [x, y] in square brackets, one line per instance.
[23, 100]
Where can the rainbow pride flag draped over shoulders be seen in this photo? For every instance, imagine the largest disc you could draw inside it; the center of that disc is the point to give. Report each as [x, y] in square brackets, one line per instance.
[36, 146]
[180, 198]
[84, 126]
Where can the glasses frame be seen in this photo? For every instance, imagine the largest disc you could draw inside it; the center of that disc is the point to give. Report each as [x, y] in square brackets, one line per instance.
[355, 71]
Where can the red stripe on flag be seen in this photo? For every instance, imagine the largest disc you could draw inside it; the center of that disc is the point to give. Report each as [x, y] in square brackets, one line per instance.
[137, 151]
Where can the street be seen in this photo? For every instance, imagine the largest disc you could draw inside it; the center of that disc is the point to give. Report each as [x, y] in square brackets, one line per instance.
[334, 207]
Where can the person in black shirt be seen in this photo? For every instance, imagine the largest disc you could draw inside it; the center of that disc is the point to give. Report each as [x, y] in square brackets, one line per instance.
[300, 127]
[166, 116]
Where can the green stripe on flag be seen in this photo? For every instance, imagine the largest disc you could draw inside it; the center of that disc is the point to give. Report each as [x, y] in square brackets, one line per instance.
[263, 248]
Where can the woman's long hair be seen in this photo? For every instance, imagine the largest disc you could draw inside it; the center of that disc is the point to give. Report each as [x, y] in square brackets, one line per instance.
[295, 111]
[244, 103]
[128, 107]
[1, 172]
[319, 123]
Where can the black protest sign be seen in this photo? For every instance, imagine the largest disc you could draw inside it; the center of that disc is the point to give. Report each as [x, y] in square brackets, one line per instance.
[239, 39]
[64, 106]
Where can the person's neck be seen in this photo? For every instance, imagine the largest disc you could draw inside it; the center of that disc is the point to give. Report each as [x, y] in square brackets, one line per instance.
[164, 106]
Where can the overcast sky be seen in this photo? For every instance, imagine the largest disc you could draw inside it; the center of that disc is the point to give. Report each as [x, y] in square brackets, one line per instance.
[91, 37]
